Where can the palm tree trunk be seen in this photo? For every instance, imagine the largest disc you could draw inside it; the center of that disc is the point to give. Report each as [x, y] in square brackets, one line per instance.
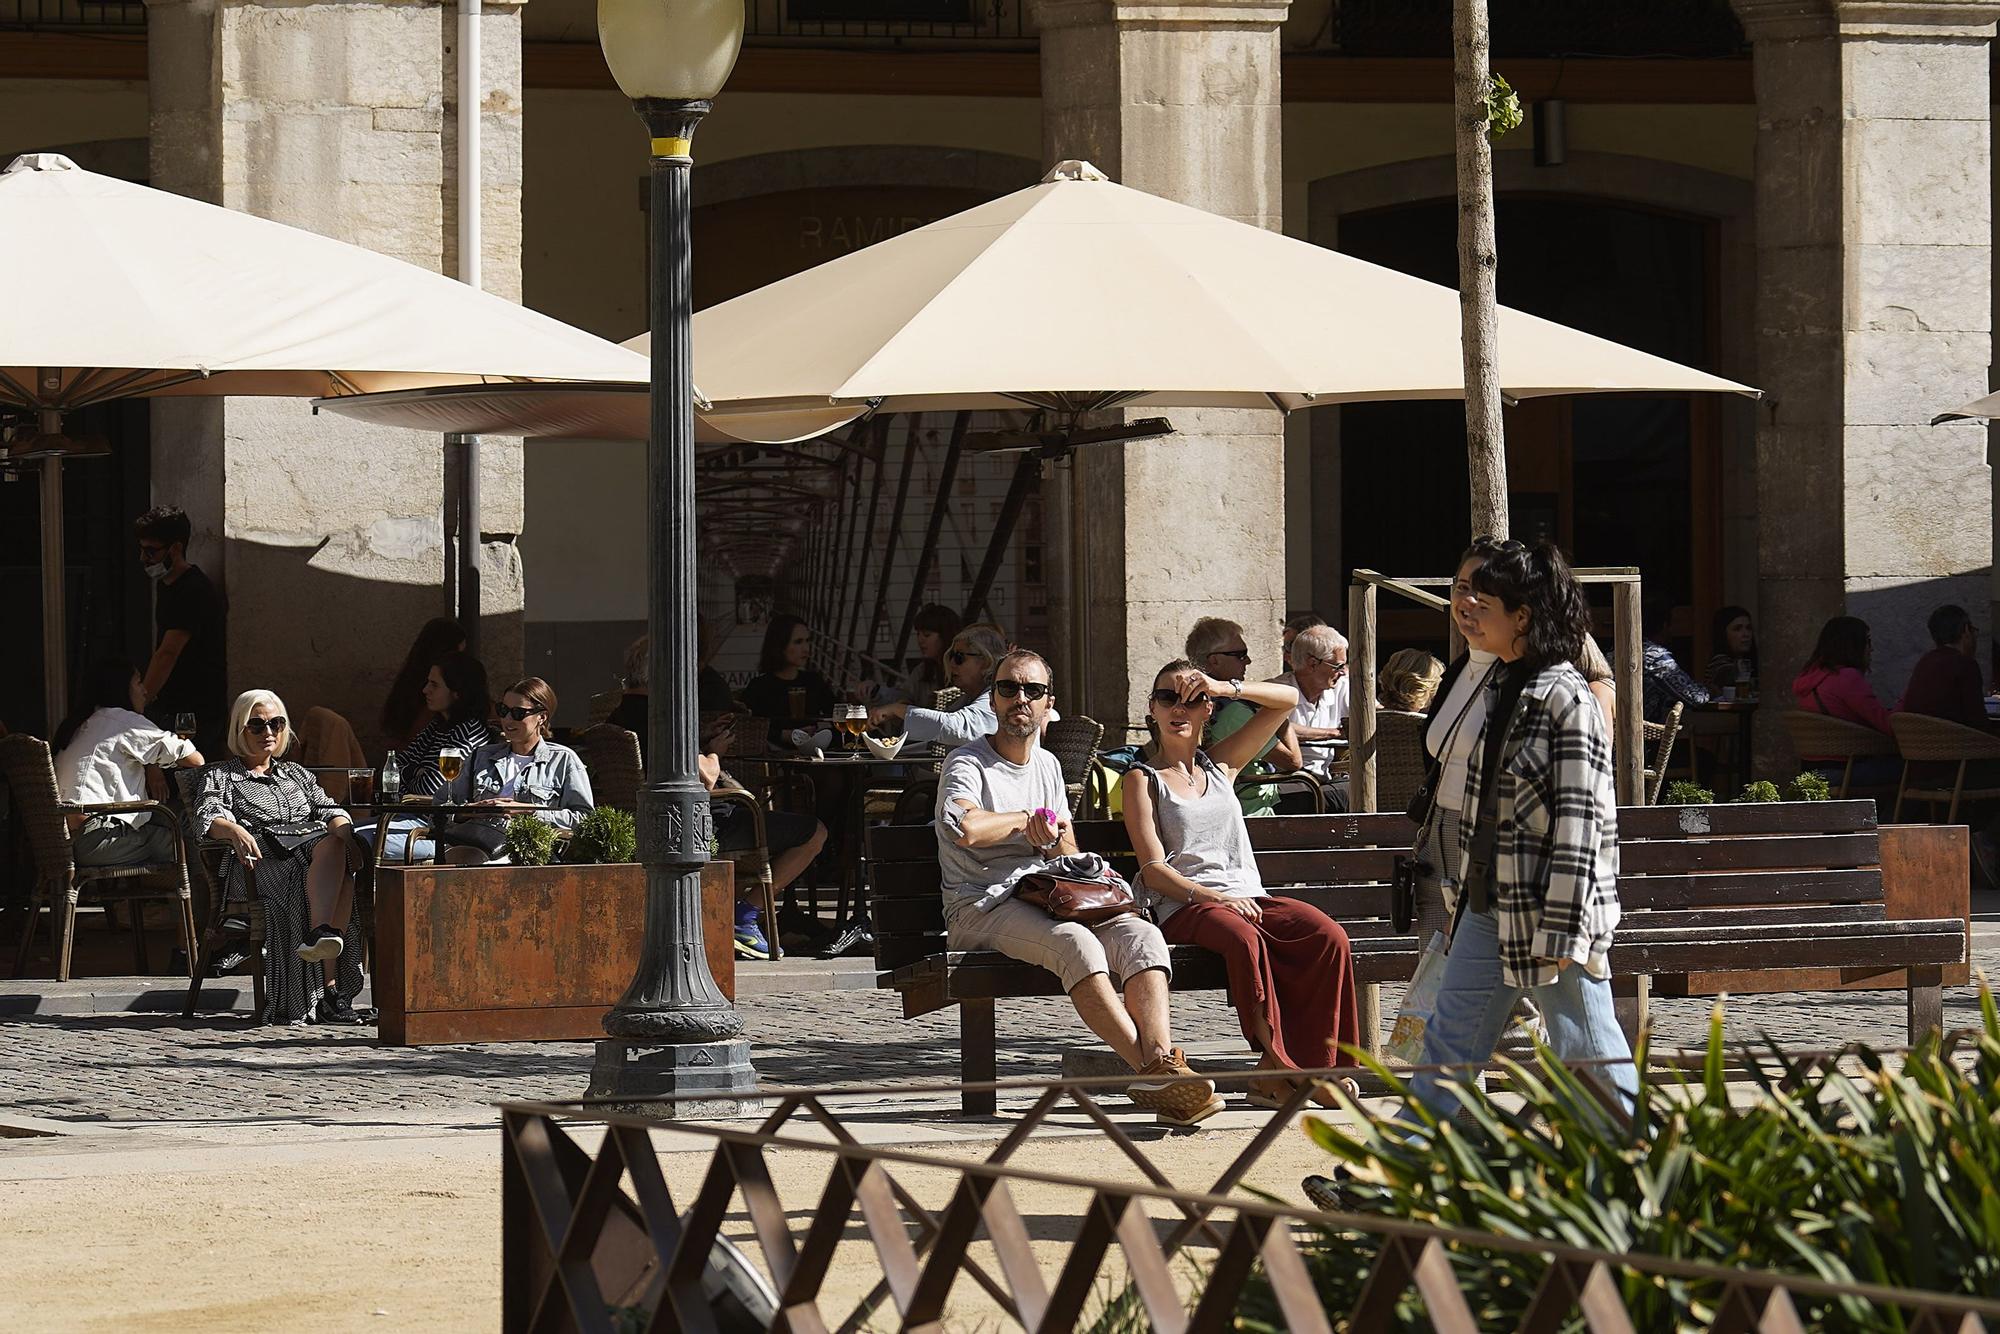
[1478, 268]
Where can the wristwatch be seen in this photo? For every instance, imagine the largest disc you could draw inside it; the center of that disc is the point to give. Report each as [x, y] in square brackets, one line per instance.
[1235, 687]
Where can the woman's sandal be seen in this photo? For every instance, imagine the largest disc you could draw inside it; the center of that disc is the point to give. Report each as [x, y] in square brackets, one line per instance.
[1275, 1093]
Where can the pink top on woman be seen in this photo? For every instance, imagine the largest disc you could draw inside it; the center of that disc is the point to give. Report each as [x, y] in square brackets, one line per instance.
[1840, 692]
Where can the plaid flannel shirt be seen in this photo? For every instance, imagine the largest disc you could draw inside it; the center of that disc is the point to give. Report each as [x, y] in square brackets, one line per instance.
[1555, 866]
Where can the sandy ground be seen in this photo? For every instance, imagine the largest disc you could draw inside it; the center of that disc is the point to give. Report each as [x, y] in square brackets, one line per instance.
[140, 1230]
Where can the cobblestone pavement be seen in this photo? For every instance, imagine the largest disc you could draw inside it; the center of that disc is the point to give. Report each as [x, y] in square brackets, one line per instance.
[132, 1067]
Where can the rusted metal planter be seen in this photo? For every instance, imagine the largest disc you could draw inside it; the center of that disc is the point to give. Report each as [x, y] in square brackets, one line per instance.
[520, 953]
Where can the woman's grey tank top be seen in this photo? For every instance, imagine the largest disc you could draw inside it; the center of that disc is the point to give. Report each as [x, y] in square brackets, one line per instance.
[1205, 838]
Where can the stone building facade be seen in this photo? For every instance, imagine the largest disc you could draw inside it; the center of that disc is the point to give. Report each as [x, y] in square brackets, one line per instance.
[1824, 184]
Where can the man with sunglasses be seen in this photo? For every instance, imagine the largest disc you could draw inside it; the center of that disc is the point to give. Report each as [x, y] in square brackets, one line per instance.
[1003, 813]
[1218, 647]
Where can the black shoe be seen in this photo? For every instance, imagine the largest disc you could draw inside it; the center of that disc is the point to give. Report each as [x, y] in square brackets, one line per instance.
[335, 1008]
[235, 952]
[1325, 1193]
[321, 943]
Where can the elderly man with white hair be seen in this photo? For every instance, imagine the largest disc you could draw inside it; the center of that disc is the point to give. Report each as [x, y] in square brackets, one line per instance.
[1319, 673]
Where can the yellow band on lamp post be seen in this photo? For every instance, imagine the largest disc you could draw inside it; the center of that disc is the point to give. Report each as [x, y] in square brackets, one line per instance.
[673, 148]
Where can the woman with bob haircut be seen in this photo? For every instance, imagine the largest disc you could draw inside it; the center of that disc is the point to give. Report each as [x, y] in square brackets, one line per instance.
[1529, 864]
[280, 825]
[523, 769]
[970, 662]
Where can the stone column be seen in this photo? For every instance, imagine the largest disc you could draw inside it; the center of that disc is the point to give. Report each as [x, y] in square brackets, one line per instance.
[1874, 251]
[326, 533]
[1179, 99]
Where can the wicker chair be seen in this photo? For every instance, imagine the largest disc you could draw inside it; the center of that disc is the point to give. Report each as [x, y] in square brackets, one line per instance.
[60, 882]
[947, 698]
[612, 756]
[1660, 738]
[1818, 737]
[1074, 741]
[1922, 739]
[1400, 759]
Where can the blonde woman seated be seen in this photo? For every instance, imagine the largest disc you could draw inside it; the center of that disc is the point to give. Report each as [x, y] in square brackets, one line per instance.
[279, 823]
[1409, 680]
[523, 772]
[1291, 971]
[969, 665]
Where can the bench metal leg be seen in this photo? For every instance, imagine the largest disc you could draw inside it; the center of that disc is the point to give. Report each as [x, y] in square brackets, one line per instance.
[1926, 1001]
[977, 1057]
[1369, 1016]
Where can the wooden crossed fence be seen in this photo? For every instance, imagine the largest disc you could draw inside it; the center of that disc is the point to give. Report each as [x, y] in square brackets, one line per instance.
[603, 1245]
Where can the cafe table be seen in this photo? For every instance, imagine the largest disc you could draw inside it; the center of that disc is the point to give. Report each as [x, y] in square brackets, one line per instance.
[432, 814]
[851, 773]
[1721, 722]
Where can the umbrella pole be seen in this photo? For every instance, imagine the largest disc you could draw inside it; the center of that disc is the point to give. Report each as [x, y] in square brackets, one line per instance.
[55, 603]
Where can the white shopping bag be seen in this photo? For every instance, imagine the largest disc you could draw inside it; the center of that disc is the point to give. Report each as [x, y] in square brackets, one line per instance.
[1413, 1018]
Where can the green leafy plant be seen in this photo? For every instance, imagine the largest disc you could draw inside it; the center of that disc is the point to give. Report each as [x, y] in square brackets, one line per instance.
[1765, 790]
[529, 841]
[1503, 109]
[1856, 1172]
[1680, 792]
[605, 836]
[1809, 786]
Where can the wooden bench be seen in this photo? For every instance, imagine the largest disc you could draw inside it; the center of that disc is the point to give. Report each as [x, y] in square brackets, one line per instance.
[1784, 896]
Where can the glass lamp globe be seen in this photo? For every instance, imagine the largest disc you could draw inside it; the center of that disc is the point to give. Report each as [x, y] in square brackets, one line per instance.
[675, 49]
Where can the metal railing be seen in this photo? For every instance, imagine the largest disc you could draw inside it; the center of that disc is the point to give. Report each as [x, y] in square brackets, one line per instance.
[1629, 29]
[986, 24]
[580, 1253]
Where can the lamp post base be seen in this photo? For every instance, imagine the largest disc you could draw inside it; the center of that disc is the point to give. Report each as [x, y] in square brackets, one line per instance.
[679, 1081]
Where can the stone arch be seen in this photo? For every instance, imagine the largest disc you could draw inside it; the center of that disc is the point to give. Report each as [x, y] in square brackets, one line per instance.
[1647, 183]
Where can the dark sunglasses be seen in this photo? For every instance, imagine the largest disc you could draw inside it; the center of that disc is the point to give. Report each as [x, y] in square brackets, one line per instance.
[518, 715]
[263, 725]
[959, 655]
[1170, 699]
[1242, 653]
[1032, 689]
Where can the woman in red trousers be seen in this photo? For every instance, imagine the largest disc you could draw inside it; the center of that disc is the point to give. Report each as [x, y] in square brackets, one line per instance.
[1291, 970]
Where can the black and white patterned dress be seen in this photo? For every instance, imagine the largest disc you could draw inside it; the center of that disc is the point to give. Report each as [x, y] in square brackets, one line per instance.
[286, 796]
[418, 760]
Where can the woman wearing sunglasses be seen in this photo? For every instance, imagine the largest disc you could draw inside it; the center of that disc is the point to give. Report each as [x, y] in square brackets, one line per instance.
[975, 651]
[522, 772]
[1291, 973]
[287, 837]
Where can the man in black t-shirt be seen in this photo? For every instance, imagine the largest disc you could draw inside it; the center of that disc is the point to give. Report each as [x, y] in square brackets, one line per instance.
[186, 673]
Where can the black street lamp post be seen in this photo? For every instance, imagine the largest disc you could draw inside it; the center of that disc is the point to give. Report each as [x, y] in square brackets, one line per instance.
[673, 1036]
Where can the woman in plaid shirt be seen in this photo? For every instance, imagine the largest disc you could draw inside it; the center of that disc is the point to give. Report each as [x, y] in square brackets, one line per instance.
[1537, 900]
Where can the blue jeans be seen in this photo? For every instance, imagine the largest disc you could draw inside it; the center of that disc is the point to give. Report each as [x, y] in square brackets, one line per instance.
[393, 846]
[1474, 1002]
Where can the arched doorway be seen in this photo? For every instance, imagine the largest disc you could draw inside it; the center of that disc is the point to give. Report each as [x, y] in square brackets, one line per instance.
[1625, 249]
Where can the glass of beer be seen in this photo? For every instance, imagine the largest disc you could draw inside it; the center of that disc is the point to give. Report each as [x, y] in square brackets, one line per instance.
[361, 786]
[795, 703]
[184, 726]
[450, 760]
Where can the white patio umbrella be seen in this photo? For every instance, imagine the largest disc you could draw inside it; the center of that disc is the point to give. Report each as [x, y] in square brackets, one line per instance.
[1988, 406]
[113, 290]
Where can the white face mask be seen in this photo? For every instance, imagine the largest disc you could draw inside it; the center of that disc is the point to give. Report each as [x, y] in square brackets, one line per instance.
[156, 571]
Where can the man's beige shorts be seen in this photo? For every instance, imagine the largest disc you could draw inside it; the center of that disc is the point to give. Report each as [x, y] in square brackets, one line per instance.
[1123, 947]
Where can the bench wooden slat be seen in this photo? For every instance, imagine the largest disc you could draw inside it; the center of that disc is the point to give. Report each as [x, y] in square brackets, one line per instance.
[1737, 854]
[1717, 889]
[1885, 944]
[1791, 817]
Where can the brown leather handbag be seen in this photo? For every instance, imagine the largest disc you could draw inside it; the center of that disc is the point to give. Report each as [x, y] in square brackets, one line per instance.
[1072, 900]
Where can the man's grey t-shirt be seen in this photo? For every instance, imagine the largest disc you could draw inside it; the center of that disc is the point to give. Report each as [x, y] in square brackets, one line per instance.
[977, 773]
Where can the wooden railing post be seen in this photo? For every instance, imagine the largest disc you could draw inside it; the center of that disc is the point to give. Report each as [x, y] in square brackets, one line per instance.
[1628, 742]
[1361, 696]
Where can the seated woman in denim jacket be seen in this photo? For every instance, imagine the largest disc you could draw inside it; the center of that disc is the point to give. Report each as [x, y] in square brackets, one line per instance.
[525, 768]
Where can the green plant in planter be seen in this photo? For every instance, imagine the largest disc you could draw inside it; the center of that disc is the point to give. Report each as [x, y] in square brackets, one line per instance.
[1809, 786]
[1680, 792]
[606, 836]
[529, 841]
[1760, 791]
[1885, 1174]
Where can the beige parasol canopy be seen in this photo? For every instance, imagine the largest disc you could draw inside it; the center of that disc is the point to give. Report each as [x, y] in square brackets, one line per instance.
[1079, 294]
[1988, 406]
[113, 290]
[116, 290]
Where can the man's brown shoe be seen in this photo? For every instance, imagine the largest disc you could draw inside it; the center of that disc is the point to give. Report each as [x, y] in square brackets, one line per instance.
[1174, 1094]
